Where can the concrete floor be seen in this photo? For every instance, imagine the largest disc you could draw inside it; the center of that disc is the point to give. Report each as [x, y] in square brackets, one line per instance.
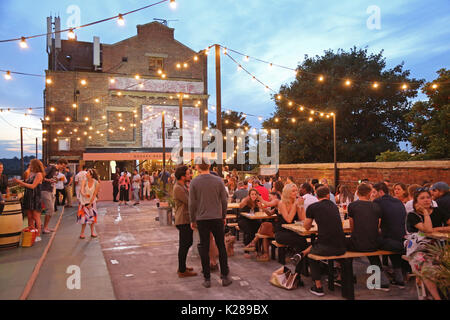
[136, 258]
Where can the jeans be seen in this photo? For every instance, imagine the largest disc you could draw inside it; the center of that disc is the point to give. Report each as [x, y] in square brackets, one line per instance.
[136, 195]
[216, 227]
[186, 239]
[115, 192]
[123, 194]
[322, 250]
[146, 191]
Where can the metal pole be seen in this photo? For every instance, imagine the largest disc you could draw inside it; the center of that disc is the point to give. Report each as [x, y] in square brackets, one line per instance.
[21, 151]
[180, 103]
[335, 157]
[37, 148]
[164, 148]
[218, 102]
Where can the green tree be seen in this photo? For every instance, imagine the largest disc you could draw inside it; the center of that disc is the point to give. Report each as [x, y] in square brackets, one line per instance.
[431, 119]
[368, 120]
[234, 120]
[393, 156]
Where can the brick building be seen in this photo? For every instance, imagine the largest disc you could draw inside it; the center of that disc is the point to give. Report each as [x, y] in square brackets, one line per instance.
[103, 102]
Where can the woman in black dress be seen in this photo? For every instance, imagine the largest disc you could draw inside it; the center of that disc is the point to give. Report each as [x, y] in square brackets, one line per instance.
[32, 196]
[249, 204]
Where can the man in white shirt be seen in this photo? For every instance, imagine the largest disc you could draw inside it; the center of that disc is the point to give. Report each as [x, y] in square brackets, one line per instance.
[306, 192]
[226, 172]
[136, 186]
[79, 178]
[60, 181]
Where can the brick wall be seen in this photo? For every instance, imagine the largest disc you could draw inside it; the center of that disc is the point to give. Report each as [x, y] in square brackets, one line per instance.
[349, 173]
[66, 87]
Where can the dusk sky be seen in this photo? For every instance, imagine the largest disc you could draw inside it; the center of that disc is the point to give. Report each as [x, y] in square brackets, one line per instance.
[281, 31]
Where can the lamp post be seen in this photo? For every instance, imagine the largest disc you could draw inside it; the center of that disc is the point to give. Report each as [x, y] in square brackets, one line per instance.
[180, 105]
[334, 151]
[218, 101]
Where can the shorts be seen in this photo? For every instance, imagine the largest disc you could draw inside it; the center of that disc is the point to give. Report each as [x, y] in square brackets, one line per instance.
[48, 200]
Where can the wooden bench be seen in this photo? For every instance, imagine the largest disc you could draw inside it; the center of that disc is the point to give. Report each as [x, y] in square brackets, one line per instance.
[348, 290]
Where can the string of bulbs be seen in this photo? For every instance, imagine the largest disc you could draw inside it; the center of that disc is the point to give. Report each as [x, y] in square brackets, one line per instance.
[71, 34]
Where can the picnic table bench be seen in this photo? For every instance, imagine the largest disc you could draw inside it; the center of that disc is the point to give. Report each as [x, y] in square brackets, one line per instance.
[346, 261]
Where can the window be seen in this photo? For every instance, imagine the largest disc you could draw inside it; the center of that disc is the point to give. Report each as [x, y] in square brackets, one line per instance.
[155, 64]
[64, 144]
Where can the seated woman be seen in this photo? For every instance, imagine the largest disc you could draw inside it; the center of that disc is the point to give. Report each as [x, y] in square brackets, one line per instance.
[401, 192]
[249, 204]
[424, 219]
[266, 228]
[290, 208]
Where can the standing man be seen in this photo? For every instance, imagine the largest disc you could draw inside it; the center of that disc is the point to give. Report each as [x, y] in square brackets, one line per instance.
[47, 197]
[60, 190]
[79, 178]
[182, 221]
[136, 186]
[3, 181]
[115, 183]
[207, 209]
[68, 187]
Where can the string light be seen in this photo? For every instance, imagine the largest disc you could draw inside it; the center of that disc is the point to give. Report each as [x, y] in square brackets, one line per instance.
[83, 82]
[348, 82]
[246, 58]
[434, 86]
[185, 65]
[404, 86]
[23, 43]
[74, 105]
[321, 78]
[8, 75]
[48, 81]
[173, 4]
[52, 109]
[86, 118]
[67, 119]
[178, 65]
[163, 76]
[195, 58]
[120, 20]
[375, 85]
[310, 119]
[71, 34]
[112, 80]
[97, 100]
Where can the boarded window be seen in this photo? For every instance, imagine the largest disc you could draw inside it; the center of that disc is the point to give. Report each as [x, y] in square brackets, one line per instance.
[155, 64]
[63, 144]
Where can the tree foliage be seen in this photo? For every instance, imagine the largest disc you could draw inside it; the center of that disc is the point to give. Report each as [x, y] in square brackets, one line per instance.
[368, 122]
[431, 119]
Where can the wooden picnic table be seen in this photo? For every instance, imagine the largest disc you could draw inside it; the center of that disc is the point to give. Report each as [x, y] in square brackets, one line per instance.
[258, 216]
[298, 228]
[230, 216]
[439, 235]
[233, 206]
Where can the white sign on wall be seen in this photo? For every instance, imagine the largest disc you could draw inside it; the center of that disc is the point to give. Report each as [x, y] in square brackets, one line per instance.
[152, 126]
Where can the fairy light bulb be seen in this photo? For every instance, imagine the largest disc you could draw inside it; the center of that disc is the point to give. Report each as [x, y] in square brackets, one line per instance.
[112, 80]
[375, 85]
[302, 108]
[173, 4]
[321, 78]
[195, 58]
[83, 82]
[246, 58]
[405, 86]
[434, 86]
[178, 65]
[71, 34]
[310, 119]
[8, 75]
[277, 119]
[23, 43]
[74, 105]
[239, 68]
[225, 51]
[163, 76]
[52, 109]
[48, 81]
[120, 20]
[348, 82]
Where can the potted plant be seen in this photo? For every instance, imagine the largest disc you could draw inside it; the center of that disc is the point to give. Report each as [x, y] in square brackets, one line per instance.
[439, 272]
[17, 192]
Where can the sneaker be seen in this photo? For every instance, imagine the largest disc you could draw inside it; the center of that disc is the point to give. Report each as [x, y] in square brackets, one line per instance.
[250, 249]
[38, 239]
[398, 284]
[186, 274]
[207, 284]
[226, 281]
[317, 291]
[338, 283]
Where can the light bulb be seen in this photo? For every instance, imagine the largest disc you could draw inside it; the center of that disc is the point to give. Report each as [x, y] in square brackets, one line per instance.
[48, 81]
[348, 82]
[246, 58]
[71, 34]
[8, 75]
[375, 85]
[112, 80]
[83, 82]
[195, 58]
[434, 86]
[23, 43]
[120, 20]
[173, 4]
[320, 78]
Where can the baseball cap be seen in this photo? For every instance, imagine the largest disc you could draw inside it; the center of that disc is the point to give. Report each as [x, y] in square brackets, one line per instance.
[442, 186]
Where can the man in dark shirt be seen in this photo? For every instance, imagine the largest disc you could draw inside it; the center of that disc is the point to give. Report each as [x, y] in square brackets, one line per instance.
[47, 196]
[208, 201]
[331, 238]
[393, 216]
[441, 194]
[365, 218]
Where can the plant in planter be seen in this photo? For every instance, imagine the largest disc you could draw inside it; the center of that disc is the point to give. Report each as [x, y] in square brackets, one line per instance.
[162, 192]
[17, 191]
[439, 272]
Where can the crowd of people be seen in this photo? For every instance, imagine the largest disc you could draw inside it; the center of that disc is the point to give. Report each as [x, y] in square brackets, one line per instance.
[381, 217]
[46, 188]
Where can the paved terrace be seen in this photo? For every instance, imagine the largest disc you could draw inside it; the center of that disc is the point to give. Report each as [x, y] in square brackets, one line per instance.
[135, 258]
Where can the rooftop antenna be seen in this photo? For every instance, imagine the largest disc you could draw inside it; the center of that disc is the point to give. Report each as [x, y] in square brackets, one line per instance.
[164, 21]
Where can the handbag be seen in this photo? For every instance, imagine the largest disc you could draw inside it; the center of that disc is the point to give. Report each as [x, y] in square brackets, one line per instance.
[416, 241]
[284, 278]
